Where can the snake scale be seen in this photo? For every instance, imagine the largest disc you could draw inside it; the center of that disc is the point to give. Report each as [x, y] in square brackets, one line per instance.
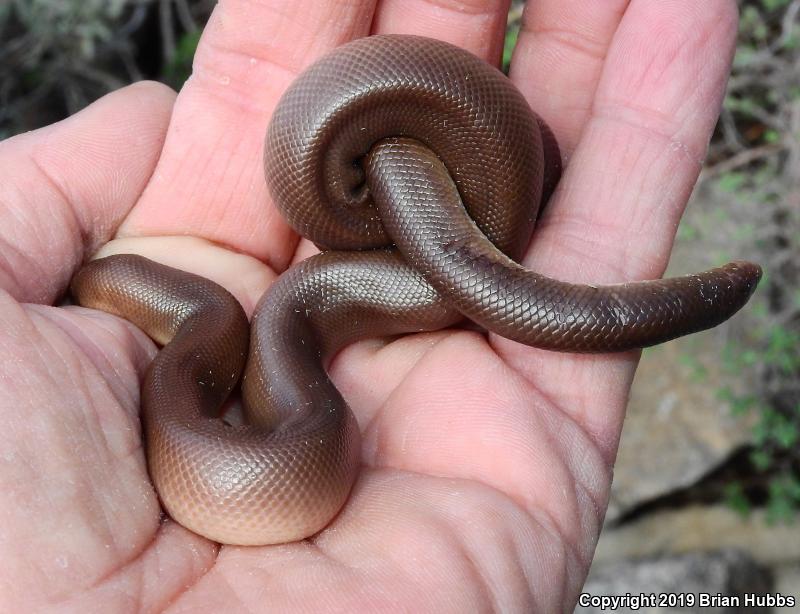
[418, 169]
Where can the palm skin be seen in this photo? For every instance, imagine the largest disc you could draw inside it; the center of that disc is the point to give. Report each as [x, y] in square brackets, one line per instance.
[487, 464]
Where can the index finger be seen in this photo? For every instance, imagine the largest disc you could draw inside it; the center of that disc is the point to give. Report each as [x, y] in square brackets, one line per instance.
[209, 182]
[615, 214]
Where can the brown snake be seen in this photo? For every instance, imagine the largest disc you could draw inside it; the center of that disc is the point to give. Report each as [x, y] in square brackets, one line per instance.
[378, 143]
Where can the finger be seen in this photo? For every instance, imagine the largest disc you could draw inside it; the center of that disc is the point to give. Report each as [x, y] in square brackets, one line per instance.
[67, 187]
[210, 181]
[559, 57]
[620, 201]
[475, 25]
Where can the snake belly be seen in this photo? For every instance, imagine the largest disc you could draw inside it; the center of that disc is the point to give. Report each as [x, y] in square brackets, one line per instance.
[419, 170]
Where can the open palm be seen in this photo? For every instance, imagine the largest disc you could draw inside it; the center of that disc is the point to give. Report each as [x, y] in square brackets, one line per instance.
[486, 464]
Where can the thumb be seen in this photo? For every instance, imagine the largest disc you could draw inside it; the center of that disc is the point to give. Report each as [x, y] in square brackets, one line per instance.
[68, 186]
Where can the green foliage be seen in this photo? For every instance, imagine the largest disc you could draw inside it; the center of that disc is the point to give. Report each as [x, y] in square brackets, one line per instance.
[758, 128]
[774, 5]
[75, 28]
[736, 498]
[731, 181]
[512, 34]
[179, 69]
[698, 371]
[784, 498]
[56, 56]
[776, 432]
[688, 232]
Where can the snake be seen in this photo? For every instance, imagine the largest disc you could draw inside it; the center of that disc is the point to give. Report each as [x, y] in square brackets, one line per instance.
[419, 170]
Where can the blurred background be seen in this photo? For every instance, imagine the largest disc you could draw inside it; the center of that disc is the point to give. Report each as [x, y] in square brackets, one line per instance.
[706, 493]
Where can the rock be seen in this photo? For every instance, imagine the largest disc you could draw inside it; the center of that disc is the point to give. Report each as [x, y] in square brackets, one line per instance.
[787, 582]
[680, 583]
[700, 528]
[677, 430]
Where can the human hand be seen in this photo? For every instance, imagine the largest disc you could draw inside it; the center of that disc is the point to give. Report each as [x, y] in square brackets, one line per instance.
[486, 464]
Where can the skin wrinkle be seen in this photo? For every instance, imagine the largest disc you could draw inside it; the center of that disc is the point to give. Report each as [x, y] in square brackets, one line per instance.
[637, 263]
[230, 178]
[590, 451]
[468, 574]
[583, 245]
[553, 508]
[640, 119]
[71, 222]
[205, 221]
[564, 106]
[249, 178]
[485, 597]
[12, 272]
[208, 84]
[127, 565]
[372, 429]
[597, 495]
[98, 358]
[537, 598]
[499, 498]
[275, 56]
[542, 516]
[15, 212]
[106, 532]
[207, 225]
[89, 412]
[238, 92]
[567, 549]
[493, 588]
[182, 591]
[661, 61]
[583, 45]
[98, 351]
[237, 596]
[480, 33]
[561, 16]
[472, 8]
[419, 367]
[90, 233]
[93, 409]
[584, 407]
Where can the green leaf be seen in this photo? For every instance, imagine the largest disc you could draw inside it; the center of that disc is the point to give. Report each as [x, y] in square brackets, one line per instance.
[181, 66]
[732, 181]
[687, 232]
[786, 434]
[698, 370]
[761, 459]
[508, 46]
[782, 498]
[779, 509]
[736, 499]
[791, 42]
[792, 485]
[772, 5]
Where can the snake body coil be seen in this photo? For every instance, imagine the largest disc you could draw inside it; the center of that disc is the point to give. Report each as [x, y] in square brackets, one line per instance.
[389, 140]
